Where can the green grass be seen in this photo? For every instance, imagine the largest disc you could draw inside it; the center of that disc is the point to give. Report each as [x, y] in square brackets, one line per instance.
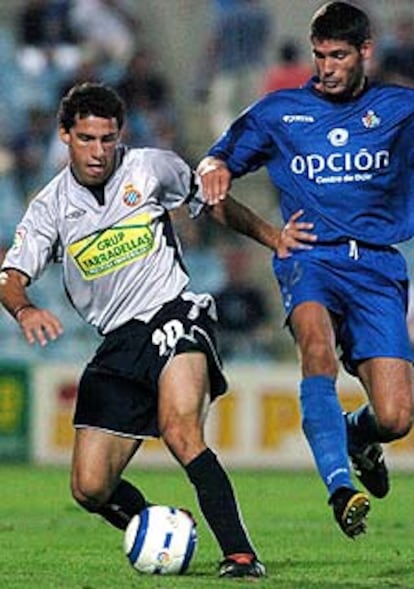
[47, 542]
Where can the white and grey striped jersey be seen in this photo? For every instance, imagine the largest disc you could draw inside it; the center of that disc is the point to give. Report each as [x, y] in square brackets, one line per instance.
[121, 259]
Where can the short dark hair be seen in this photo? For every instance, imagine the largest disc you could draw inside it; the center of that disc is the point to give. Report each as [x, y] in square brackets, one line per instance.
[89, 98]
[341, 21]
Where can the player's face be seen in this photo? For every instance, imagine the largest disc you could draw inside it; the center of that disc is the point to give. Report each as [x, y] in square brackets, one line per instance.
[92, 142]
[340, 67]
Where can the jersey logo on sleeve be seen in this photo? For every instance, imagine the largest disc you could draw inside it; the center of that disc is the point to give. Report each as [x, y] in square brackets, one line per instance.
[18, 239]
[113, 248]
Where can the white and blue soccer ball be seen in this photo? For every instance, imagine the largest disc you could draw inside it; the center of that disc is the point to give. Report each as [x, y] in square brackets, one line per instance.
[161, 540]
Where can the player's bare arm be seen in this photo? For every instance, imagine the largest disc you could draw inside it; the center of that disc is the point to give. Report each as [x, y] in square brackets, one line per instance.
[215, 179]
[37, 325]
[294, 235]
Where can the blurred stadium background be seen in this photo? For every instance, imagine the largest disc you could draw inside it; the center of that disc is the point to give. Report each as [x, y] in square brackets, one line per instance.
[258, 424]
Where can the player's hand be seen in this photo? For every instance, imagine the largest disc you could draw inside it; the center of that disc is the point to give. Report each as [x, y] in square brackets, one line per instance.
[215, 179]
[39, 325]
[295, 235]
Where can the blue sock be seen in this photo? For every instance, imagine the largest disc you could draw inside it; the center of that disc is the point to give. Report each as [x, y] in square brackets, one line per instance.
[324, 427]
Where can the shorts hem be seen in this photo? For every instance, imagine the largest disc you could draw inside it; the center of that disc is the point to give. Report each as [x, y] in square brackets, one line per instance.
[107, 430]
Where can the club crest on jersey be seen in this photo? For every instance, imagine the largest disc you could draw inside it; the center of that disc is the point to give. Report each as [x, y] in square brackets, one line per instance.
[371, 120]
[131, 197]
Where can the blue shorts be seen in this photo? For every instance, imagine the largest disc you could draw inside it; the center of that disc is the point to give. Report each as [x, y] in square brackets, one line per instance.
[367, 292]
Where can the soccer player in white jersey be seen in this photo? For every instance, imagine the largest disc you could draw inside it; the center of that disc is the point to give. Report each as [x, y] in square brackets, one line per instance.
[157, 368]
[341, 148]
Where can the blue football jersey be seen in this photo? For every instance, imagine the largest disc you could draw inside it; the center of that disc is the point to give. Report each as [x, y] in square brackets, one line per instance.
[349, 165]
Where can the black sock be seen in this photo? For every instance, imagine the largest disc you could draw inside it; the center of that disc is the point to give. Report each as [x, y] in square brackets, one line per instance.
[218, 503]
[125, 502]
[363, 428]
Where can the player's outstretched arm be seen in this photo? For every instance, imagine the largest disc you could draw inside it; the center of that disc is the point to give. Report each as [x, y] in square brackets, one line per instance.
[294, 235]
[37, 325]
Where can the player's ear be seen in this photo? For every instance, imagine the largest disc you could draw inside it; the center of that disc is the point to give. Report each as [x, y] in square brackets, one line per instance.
[367, 49]
[64, 135]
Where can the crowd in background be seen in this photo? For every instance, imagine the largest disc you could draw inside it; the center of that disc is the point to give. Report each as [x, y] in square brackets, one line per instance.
[56, 43]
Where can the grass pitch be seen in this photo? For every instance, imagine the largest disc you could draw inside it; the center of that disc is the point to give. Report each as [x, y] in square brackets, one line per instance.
[47, 542]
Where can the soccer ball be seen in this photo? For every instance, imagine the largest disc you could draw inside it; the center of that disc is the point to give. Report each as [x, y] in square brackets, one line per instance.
[160, 540]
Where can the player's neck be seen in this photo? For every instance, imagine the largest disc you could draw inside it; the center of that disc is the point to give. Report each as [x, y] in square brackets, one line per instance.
[360, 88]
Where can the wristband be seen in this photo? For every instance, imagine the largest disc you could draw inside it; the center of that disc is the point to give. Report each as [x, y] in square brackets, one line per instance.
[21, 308]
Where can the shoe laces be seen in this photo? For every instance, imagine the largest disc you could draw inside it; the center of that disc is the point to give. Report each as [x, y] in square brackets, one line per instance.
[371, 456]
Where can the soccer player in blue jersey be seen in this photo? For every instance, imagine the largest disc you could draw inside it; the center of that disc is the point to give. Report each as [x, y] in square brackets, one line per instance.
[340, 148]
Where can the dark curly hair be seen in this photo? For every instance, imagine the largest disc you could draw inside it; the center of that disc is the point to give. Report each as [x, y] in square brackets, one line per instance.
[341, 21]
[90, 99]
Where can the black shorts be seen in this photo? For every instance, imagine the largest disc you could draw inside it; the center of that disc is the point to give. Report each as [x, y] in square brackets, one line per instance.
[118, 390]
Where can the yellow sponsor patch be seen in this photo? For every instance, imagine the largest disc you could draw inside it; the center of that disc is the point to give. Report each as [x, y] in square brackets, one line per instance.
[105, 251]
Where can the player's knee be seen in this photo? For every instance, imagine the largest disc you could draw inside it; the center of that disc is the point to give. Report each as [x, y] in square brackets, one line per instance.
[89, 494]
[176, 440]
[183, 440]
[394, 424]
[319, 358]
